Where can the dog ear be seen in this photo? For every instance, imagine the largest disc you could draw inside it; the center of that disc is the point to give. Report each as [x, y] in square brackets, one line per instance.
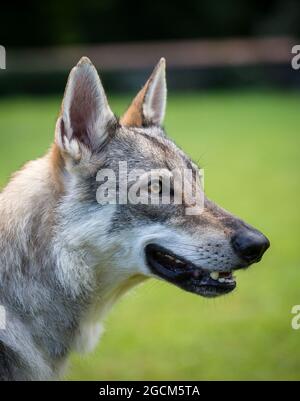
[85, 114]
[149, 105]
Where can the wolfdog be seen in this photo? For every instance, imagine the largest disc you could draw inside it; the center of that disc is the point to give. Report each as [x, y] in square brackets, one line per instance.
[66, 258]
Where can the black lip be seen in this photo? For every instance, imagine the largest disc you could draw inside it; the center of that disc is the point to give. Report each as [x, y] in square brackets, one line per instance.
[187, 275]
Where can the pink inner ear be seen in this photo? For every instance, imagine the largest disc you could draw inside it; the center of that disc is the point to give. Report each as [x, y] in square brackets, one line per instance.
[84, 108]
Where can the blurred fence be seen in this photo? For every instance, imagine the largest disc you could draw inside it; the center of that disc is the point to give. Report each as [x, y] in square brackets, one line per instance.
[201, 63]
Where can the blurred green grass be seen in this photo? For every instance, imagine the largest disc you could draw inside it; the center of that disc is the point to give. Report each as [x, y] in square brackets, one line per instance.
[249, 146]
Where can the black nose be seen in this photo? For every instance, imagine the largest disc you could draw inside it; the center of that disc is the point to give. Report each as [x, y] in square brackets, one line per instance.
[250, 245]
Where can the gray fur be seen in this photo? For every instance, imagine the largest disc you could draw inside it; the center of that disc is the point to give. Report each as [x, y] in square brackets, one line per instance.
[64, 258]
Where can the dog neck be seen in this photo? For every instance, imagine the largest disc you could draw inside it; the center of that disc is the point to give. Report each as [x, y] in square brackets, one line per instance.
[49, 287]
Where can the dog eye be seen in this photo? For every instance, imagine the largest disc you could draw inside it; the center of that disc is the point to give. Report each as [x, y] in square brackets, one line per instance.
[155, 187]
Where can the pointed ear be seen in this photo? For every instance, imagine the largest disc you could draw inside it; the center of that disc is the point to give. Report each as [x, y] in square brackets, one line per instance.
[85, 113]
[149, 105]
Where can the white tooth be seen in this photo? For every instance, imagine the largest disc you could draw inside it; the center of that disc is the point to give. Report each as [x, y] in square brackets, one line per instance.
[214, 275]
[221, 280]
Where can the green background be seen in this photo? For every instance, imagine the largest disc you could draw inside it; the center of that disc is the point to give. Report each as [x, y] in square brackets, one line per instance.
[248, 143]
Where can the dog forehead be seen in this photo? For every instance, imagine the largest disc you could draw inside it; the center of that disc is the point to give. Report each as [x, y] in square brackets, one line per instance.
[151, 147]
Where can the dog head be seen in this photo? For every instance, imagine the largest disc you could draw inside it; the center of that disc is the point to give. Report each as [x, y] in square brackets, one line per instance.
[192, 243]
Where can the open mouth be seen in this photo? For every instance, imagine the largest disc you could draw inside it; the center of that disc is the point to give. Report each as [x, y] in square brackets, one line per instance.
[187, 275]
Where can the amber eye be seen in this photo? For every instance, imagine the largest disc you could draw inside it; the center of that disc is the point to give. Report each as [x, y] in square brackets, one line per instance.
[155, 187]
